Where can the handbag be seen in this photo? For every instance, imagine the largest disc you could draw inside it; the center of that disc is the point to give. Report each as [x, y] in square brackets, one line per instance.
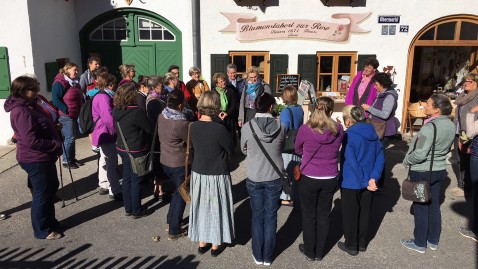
[290, 136]
[298, 171]
[284, 177]
[140, 165]
[419, 191]
[184, 188]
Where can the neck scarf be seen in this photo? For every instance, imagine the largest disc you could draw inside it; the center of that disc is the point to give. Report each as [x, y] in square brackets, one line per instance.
[168, 88]
[173, 114]
[223, 97]
[252, 89]
[72, 82]
[464, 97]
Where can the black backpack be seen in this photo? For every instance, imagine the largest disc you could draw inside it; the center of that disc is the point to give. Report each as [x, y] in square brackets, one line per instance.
[290, 136]
[85, 119]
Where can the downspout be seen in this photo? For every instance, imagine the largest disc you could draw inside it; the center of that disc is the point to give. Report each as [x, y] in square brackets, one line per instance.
[196, 33]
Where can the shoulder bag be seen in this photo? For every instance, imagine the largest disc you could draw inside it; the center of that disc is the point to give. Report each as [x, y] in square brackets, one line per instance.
[419, 191]
[285, 179]
[298, 170]
[184, 188]
[290, 136]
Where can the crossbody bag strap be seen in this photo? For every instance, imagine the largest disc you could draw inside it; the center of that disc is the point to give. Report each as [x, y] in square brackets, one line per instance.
[291, 118]
[153, 143]
[122, 136]
[188, 146]
[278, 171]
[317, 150]
[414, 147]
[433, 148]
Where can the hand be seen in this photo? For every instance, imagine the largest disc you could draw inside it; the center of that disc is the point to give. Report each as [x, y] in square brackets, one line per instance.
[58, 126]
[474, 109]
[240, 123]
[222, 115]
[365, 107]
[372, 185]
[338, 120]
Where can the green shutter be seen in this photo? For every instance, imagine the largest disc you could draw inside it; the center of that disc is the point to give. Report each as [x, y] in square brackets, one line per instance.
[308, 68]
[4, 73]
[219, 64]
[278, 65]
[361, 60]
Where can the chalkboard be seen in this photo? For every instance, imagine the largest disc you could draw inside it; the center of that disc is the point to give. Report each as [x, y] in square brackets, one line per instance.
[287, 79]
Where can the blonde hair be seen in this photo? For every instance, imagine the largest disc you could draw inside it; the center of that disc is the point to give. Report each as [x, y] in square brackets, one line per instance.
[251, 69]
[320, 119]
[124, 69]
[68, 66]
[346, 112]
[209, 103]
[289, 95]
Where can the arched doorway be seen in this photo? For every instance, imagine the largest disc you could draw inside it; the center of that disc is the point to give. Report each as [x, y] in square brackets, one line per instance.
[132, 36]
[439, 56]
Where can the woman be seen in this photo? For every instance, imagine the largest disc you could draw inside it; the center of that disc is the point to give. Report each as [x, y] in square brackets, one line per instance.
[154, 107]
[362, 167]
[253, 88]
[170, 83]
[263, 183]
[318, 181]
[67, 98]
[469, 148]
[104, 136]
[228, 103]
[211, 215]
[427, 215]
[173, 133]
[196, 87]
[127, 73]
[144, 89]
[38, 147]
[136, 130]
[382, 111]
[362, 90]
[292, 116]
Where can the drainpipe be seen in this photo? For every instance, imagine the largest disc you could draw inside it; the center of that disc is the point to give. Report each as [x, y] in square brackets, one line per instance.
[196, 33]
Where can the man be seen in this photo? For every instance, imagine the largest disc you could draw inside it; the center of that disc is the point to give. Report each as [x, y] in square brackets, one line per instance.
[181, 86]
[232, 80]
[87, 77]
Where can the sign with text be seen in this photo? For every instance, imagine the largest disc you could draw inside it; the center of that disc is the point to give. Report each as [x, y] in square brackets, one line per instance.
[404, 28]
[388, 19]
[287, 79]
[248, 29]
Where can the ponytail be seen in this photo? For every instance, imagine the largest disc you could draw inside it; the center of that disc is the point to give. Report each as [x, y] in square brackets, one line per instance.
[320, 119]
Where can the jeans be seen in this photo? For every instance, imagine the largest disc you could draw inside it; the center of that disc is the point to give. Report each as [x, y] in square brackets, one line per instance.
[69, 129]
[427, 215]
[131, 184]
[356, 205]
[315, 197]
[264, 204]
[44, 181]
[107, 169]
[176, 207]
[474, 192]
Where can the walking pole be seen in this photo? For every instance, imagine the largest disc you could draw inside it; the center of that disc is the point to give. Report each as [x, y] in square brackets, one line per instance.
[69, 169]
[61, 181]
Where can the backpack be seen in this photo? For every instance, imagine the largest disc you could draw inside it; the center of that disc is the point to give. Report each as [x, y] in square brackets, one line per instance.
[85, 119]
[290, 136]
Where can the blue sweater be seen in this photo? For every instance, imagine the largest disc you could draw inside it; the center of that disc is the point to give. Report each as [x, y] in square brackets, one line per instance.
[363, 156]
[297, 113]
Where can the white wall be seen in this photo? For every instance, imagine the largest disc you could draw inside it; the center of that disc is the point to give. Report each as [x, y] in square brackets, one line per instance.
[16, 37]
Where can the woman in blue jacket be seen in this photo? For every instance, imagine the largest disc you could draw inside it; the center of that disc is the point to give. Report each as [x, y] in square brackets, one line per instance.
[362, 166]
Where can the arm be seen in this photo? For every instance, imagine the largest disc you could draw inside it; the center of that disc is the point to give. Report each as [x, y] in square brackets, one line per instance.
[424, 144]
[351, 160]
[232, 101]
[240, 119]
[104, 111]
[226, 141]
[83, 82]
[379, 162]
[387, 108]
[471, 124]
[143, 122]
[300, 139]
[267, 88]
[28, 130]
[245, 135]
[57, 94]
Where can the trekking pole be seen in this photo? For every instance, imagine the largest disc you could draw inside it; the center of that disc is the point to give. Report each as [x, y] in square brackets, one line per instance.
[61, 181]
[69, 169]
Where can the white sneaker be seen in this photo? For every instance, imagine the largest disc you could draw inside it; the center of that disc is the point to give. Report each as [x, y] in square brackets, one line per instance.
[257, 262]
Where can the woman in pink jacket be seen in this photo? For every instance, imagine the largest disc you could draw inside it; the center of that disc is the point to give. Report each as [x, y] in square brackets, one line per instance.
[362, 90]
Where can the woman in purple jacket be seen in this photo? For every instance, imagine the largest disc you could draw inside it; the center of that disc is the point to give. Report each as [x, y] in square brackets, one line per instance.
[38, 146]
[318, 141]
[362, 90]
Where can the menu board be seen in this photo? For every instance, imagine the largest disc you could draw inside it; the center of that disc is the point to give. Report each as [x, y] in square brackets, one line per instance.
[287, 79]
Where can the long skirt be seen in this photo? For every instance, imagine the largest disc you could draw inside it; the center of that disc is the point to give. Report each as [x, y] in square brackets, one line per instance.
[211, 212]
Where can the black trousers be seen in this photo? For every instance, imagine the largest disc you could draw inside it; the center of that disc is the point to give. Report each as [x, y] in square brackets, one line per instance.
[316, 202]
[356, 206]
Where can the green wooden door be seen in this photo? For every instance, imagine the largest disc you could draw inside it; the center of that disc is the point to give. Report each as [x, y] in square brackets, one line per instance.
[4, 73]
[143, 58]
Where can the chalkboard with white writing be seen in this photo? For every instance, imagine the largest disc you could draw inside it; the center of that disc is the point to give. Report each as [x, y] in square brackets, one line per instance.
[287, 79]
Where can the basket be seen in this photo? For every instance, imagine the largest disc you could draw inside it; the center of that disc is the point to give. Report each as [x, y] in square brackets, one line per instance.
[417, 110]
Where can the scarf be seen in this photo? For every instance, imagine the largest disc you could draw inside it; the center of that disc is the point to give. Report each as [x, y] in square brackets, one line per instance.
[72, 82]
[252, 89]
[223, 97]
[173, 114]
[464, 98]
[168, 88]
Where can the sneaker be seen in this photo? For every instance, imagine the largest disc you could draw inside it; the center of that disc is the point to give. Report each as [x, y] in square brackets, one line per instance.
[117, 197]
[53, 236]
[432, 246]
[410, 244]
[174, 237]
[3, 216]
[140, 215]
[103, 191]
[256, 261]
[468, 233]
[302, 249]
[70, 165]
[95, 149]
[78, 163]
[267, 263]
[351, 252]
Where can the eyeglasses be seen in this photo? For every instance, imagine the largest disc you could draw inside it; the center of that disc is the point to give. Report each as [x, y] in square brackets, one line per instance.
[468, 81]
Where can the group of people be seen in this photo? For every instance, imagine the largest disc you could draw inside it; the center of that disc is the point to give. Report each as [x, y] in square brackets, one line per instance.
[190, 128]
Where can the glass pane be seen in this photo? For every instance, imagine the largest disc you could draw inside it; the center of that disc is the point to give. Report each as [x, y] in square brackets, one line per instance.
[259, 62]
[155, 25]
[144, 23]
[325, 83]
[108, 34]
[344, 64]
[469, 31]
[168, 35]
[157, 34]
[97, 35]
[109, 25]
[120, 34]
[326, 63]
[428, 35]
[446, 31]
[240, 62]
[144, 35]
[120, 23]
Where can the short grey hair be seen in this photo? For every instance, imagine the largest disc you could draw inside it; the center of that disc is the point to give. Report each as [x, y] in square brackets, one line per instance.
[168, 77]
[231, 66]
[194, 70]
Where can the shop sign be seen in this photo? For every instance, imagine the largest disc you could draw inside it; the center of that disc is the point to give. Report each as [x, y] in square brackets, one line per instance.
[248, 29]
[388, 19]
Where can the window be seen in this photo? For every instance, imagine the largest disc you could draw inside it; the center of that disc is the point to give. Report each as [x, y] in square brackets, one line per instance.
[114, 30]
[335, 70]
[450, 33]
[152, 31]
[244, 60]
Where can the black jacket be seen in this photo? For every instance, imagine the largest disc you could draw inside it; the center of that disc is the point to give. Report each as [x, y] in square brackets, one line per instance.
[136, 127]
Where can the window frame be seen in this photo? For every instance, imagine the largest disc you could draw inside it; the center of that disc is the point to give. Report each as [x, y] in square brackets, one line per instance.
[335, 66]
[249, 55]
[100, 28]
[163, 29]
